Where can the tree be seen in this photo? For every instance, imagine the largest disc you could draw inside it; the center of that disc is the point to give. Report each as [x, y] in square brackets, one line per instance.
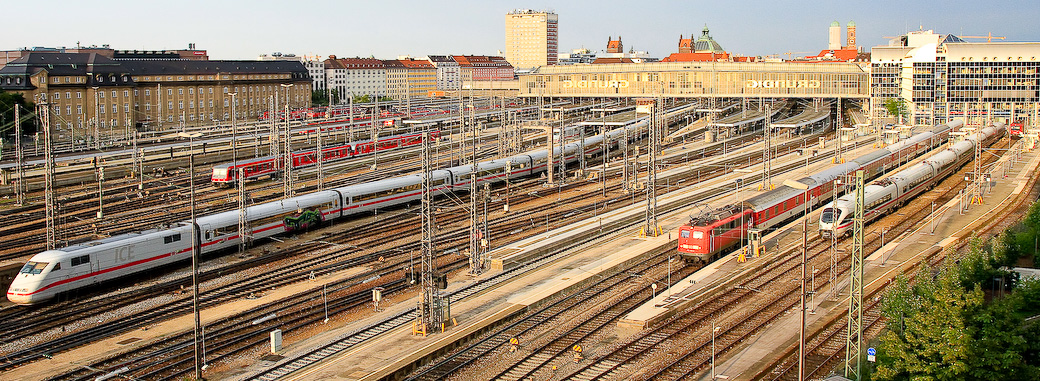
[941, 328]
[8, 101]
[896, 107]
[319, 98]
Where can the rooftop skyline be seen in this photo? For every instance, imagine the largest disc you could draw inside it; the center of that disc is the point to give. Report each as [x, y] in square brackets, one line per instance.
[246, 29]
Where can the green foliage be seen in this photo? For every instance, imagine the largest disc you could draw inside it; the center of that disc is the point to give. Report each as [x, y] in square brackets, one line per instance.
[8, 101]
[321, 97]
[941, 328]
[896, 107]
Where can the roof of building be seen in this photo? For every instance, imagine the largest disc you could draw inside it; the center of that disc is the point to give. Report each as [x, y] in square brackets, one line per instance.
[840, 55]
[353, 63]
[614, 45]
[707, 44]
[416, 64]
[442, 59]
[611, 60]
[697, 57]
[63, 64]
[163, 67]
[482, 61]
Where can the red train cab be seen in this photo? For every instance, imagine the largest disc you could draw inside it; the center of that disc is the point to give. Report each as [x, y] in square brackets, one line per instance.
[706, 237]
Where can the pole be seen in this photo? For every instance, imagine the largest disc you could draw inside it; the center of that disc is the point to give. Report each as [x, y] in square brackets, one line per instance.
[195, 268]
[801, 330]
[19, 156]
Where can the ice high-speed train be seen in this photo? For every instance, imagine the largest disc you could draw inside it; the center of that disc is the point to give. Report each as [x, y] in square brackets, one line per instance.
[54, 272]
[888, 194]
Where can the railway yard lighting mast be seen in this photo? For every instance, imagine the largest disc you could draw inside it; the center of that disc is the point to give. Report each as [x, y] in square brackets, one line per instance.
[805, 223]
[651, 228]
[195, 250]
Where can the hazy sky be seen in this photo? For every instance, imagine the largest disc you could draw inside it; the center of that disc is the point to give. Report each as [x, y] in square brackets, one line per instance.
[388, 28]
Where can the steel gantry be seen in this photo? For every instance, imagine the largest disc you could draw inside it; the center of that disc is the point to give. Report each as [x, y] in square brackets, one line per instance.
[854, 337]
[650, 227]
[430, 314]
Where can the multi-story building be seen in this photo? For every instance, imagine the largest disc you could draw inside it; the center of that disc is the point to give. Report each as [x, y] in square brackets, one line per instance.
[448, 76]
[356, 76]
[484, 68]
[92, 96]
[576, 56]
[396, 79]
[531, 38]
[422, 77]
[314, 64]
[942, 77]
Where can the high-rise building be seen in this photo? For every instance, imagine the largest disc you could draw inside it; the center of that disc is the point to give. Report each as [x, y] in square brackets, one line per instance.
[942, 77]
[531, 38]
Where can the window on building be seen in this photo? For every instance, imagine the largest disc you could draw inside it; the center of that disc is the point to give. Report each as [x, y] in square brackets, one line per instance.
[180, 105]
[169, 105]
[68, 110]
[114, 94]
[147, 92]
[126, 107]
[180, 91]
[135, 92]
[169, 91]
[101, 109]
[126, 93]
[68, 95]
[191, 91]
[101, 94]
[79, 110]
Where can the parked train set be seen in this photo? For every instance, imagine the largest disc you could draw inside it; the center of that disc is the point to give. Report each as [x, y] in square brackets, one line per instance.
[708, 236]
[226, 174]
[886, 195]
[55, 272]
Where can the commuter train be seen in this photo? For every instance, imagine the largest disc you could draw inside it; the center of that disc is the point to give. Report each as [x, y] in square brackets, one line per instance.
[886, 195]
[707, 237]
[226, 174]
[55, 272]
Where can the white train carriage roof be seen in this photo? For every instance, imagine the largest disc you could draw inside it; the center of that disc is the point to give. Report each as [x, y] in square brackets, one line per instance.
[268, 209]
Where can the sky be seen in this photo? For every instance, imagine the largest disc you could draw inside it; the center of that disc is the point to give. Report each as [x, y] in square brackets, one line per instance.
[389, 28]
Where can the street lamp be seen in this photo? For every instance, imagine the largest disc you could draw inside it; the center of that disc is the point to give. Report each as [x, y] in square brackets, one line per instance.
[194, 249]
[714, 332]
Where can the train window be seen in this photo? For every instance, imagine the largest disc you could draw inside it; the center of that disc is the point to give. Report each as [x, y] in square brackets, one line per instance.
[33, 267]
[698, 235]
[57, 266]
[684, 234]
[171, 238]
[76, 261]
[827, 216]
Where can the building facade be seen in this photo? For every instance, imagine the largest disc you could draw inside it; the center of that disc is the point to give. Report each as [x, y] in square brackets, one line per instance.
[942, 77]
[531, 38]
[484, 68]
[92, 96]
[355, 76]
[448, 75]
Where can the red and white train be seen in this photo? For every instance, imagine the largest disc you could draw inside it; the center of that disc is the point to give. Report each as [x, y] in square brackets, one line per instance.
[226, 174]
[886, 195]
[707, 237]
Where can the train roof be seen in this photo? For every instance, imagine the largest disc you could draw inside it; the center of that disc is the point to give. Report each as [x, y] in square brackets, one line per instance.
[715, 215]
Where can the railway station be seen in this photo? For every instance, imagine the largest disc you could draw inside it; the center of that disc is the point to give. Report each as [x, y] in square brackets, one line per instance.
[665, 220]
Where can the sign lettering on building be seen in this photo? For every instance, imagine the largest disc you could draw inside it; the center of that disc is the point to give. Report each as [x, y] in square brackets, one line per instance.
[622, 84]
[770, 84]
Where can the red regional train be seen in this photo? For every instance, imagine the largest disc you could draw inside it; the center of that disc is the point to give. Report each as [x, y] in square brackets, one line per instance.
[226, 174]
[709, 236]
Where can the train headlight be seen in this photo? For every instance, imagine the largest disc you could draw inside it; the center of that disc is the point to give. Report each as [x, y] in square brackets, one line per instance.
[696, 247]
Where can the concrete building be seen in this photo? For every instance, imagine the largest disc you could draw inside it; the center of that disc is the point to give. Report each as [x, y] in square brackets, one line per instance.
[448, 75]
[531, 38]
[93, 96]
[355, 76]
[942, 77]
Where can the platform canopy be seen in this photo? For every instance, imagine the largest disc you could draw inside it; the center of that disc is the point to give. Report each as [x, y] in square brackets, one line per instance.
[699, 80]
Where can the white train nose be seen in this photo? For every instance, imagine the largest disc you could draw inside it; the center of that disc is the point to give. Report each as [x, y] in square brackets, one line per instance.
[19, 298]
